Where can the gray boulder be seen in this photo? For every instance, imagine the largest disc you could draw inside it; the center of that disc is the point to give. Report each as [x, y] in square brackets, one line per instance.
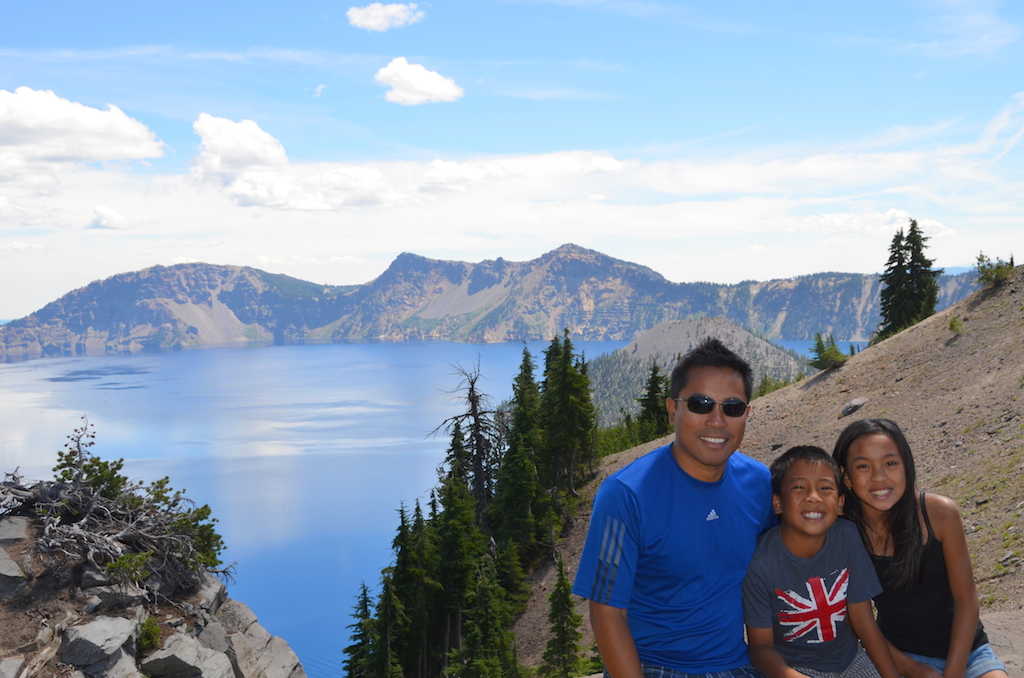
[95, 644]
[183, 656]
[13, 581]
[13, 529]
[116, 597]
[212, 594]
[93, 576]
[119, 665]
[278, 661]
[10, 667]
[253, 652]
[852, 406]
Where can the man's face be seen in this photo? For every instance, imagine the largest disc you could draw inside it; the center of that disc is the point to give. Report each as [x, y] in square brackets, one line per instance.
[704, 442]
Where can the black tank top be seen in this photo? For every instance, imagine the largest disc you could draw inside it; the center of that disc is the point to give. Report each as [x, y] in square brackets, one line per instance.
[920, 619]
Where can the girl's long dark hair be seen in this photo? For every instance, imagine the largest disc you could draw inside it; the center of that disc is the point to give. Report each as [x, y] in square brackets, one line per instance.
[904, 524]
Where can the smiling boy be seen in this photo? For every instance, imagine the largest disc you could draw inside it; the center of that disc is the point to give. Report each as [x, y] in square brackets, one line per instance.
[807, 594]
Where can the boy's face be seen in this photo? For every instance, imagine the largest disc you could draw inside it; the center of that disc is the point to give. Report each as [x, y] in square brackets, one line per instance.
[810, 499]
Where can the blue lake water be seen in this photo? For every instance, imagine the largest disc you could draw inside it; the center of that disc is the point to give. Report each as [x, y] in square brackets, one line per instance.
[304, 453]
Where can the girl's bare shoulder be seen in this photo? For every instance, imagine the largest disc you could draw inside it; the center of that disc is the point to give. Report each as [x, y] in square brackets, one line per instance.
[943, 514]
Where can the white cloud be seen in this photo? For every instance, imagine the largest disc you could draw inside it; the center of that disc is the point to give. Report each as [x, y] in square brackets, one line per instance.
[412, 84]
[381, 17]
[108, 217]
[318, 91]
[253, 169]
[456, 176]
[228, 146]
[39, 126]
[604, 164]
[20, 247]
[966, 27]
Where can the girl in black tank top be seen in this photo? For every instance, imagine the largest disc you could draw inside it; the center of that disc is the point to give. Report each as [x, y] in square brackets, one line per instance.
[928, 610]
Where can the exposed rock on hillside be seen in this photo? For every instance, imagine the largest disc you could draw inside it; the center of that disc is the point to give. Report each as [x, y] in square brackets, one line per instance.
[594, 295]
[87, 624]
[618, 378]
[957, 390]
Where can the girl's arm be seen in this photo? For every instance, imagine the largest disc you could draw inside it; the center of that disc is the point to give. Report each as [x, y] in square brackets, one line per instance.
[862, 621]
[948, 527]
[910, 668]
[766, 658]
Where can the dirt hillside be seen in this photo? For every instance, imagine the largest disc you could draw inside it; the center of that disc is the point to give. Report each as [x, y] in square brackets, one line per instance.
[955, 385]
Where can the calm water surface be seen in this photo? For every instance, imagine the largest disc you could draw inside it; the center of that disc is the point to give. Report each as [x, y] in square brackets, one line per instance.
[304, 453]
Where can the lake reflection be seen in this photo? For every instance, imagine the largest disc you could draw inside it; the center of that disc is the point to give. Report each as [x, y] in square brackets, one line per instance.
[304, 453]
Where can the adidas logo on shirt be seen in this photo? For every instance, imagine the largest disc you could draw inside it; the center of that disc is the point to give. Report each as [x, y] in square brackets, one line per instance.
[712, 516]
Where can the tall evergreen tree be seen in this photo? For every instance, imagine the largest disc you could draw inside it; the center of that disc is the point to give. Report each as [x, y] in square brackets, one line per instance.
[567, 416]
[923, 278]
[562, 656]
[910, 289]
[652, 403]
[383, 660]
[481, 441]
[459, 545]
[356, 664]
[489, 650]
[511, 514]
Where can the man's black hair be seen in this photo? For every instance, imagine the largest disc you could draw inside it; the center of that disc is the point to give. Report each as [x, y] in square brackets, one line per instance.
[711, 353]
[810, 453]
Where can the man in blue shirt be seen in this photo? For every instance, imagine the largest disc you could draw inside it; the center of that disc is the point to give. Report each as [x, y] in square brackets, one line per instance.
[672, 534]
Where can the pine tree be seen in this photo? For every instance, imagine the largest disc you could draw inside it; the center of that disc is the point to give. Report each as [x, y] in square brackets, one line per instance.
[562, 656]
[489, 650]
[511, 513]
[567, 417]
[482, 439]
[910, 289]
[459, 545]
[923, 278]
[383, 660]
[652, 403]
[826, 353]
[356, 663]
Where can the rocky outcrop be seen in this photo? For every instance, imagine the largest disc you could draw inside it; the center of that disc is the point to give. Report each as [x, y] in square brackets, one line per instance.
[595, 296]
[206, 634]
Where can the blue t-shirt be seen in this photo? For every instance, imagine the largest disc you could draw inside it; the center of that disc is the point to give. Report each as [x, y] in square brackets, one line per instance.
[673, 550]
[804, 600]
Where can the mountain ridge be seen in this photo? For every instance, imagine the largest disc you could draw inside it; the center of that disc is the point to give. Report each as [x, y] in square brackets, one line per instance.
[594, 295]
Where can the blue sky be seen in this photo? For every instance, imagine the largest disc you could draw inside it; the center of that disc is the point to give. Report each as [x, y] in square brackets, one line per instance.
[709, 141]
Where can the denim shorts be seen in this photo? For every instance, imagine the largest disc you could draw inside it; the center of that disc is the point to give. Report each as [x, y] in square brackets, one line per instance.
[979, 662]
[654, 671]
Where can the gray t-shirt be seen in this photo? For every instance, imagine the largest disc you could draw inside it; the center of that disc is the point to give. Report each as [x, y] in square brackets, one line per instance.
[803, 600]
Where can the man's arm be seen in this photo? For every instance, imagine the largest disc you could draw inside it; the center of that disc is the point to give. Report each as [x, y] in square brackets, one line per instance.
[766, 658]
[862, 621]
[614, 641]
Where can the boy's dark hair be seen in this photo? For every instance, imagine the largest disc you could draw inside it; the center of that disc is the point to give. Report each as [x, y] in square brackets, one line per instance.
[904, 524]
[811, 453]
[711, 353]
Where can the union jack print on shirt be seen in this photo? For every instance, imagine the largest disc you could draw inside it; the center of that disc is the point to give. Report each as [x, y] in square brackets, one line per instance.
[813, 619]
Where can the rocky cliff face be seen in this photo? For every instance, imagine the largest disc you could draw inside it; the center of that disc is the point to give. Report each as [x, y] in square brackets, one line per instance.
[89, 627]
[595, 296]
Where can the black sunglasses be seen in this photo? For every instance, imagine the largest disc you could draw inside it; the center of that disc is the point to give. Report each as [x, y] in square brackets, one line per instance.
[701, 404]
